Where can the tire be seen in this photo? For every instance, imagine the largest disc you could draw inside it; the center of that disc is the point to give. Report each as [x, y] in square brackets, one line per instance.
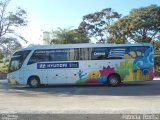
[114, 80]
[34, 82]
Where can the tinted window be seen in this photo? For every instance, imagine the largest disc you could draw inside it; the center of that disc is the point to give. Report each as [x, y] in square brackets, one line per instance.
[39, 56]
[22, 54]
[58, 55]
[69, 54]
[75, 54]
[17, 60]
[99, 53]
[79, 54]
[117, 52]
[138, 50]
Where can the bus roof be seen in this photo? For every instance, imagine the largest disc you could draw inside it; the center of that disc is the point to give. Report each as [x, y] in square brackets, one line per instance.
[85, 45]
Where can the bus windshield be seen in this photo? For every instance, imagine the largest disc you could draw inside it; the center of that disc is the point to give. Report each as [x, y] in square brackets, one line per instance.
[17, 60]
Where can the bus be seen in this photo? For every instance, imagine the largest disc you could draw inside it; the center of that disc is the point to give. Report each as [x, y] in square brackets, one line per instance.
[110, 64]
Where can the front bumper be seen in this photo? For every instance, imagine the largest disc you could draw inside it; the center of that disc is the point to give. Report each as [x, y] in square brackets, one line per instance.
[12, 82]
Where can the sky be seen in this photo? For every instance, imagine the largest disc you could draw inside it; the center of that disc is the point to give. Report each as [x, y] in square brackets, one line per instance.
[47, 15]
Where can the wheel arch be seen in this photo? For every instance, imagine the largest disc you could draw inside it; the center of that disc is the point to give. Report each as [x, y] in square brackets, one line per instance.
[36, 76]
[114, 74]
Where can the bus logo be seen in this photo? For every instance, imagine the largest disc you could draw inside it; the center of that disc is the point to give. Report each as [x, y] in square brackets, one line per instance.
[57, 65]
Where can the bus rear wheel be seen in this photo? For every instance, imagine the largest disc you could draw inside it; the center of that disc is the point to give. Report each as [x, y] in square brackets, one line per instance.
[114, 80]
[34, 82]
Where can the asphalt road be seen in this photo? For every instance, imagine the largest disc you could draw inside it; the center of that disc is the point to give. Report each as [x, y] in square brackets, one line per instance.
[141, 97]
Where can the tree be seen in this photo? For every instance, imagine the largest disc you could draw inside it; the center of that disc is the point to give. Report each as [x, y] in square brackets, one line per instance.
[117, 33]
[95, 24]
[67, 36]
[79, 37]
[141, 25]
[9, 45]
[61, 36]
[9, 21]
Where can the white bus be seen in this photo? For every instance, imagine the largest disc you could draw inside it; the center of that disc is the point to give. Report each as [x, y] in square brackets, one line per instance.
[81, 64]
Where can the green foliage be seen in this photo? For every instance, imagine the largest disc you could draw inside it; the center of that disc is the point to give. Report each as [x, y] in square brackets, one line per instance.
[1, 60]
[141, 25]
[156, 47]
[95, 24]
[9, 21]
[67, 36]
[157, 63]
[9, 46]
[4, 67]
[119, 31]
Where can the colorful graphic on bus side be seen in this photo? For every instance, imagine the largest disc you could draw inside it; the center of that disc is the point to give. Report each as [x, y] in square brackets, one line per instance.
[137, 65]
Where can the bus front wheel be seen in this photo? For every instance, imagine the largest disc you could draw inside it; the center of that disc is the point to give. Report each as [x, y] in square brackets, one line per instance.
[114, 80]
[34, 82]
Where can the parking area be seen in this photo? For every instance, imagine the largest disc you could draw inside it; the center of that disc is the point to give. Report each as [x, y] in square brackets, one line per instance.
[140, 97]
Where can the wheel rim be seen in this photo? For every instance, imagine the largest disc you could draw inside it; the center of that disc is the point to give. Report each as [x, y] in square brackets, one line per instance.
[34, 82]
[113, 81]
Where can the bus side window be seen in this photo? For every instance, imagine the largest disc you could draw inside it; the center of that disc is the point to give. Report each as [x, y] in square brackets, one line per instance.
[99, 54]
[38, 56]
[58, 55]
[139, 51]
[117, 52]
